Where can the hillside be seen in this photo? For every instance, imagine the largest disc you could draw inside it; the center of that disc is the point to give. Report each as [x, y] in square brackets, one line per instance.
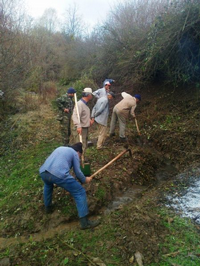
[169, 144]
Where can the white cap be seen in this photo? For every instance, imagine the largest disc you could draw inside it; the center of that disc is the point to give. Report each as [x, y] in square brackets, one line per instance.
[88, 90]
[107, 83]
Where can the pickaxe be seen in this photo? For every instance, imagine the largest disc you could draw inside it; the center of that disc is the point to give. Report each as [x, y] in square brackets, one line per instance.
[113, 160]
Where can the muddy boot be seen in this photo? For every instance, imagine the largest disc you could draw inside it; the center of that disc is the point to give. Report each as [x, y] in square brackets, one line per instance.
[49, 209]
[86, 224]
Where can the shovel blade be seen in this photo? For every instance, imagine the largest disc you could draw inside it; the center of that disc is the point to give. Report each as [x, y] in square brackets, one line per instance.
[86, 169]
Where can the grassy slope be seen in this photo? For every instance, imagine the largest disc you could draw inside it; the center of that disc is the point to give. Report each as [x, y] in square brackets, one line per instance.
[34, 135]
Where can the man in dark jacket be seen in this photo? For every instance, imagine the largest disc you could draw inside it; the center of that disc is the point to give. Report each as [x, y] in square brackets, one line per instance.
[66, 105]
[56, 170]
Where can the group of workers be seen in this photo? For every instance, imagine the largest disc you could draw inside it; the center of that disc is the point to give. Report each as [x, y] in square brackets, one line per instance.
[76, 118]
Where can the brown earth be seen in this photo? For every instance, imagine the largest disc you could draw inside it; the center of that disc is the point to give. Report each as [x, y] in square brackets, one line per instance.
[169, 144]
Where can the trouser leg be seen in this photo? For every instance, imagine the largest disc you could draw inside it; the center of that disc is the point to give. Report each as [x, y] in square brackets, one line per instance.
[48, 188]
[78, 193]
[70, 185]
[113, 121]
[85, 138]
[74, 137]
[122, 125]
[102, 135]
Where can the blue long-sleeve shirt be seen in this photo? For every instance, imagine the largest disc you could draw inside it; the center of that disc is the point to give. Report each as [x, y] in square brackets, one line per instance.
[100, 111]
[61, 161]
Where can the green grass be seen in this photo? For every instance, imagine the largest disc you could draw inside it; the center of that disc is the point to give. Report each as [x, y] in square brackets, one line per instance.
[72, 248]
[182, 244]
[20, 173]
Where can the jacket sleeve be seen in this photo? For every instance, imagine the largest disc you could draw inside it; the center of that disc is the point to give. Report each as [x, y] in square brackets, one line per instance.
[93, 111]
[133, 110]
[77, 170]
[75, 116]
[101, 108]
[96, 94]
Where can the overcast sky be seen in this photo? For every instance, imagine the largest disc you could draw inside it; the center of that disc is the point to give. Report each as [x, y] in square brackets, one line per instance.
[92, 11]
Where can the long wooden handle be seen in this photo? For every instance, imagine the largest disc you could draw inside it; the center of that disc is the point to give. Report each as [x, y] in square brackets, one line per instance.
[75, 99]
[80, 135]
[136, 123]
[105, 166]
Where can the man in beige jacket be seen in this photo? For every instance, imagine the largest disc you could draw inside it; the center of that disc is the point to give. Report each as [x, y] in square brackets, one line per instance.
[121, 112]
[82, 127]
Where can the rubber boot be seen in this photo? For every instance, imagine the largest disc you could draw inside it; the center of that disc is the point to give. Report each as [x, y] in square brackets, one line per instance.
[86, 224]
[49, 209]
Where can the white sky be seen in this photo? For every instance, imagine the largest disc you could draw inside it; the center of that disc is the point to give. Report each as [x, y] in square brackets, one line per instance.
[91, 11]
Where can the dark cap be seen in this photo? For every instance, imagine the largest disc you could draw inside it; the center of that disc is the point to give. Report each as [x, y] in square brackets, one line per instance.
[77, 147]
[138, 96]
[71, 90]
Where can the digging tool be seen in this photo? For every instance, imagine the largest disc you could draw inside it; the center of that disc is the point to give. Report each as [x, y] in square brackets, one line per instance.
[75, 99]
[112, 161]
[136, 124]
[85, 167]
[138, 131]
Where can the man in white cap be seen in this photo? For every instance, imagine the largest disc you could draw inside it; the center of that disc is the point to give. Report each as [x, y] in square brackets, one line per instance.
[82, 127]
[103, 91]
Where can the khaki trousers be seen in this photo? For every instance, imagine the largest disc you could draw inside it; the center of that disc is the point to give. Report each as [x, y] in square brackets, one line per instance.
[116, 115]
[102, 135]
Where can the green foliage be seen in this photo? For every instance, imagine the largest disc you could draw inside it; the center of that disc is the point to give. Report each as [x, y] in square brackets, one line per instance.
[75, 248]
[34, 80]
[183, 243]
[20, 174]
[100, 194]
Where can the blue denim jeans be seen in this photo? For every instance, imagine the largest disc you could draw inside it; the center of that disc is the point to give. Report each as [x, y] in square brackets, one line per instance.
[70, 185]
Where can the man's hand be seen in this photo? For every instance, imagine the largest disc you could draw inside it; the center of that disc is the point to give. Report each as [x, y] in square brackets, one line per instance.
[79, 130]
[92, 121]
[88, 179]
[66, 110]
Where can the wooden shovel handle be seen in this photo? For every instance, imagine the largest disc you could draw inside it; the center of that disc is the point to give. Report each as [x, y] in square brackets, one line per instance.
[105, 166]
[136, 123]
[80, 135]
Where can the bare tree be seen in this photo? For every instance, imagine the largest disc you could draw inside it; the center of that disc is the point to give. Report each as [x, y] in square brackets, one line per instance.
[73, 25]
[13, 56]
[49, 20]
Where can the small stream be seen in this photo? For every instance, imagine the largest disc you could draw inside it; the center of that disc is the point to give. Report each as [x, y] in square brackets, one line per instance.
[187, 203]
[127, 196]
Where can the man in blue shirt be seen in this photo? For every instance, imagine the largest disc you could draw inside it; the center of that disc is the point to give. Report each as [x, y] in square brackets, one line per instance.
[100, 114]
[56, 170]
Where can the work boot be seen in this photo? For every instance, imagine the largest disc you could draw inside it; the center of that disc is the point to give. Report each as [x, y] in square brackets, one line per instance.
[122, 139]
[86, 224]
[49, 209]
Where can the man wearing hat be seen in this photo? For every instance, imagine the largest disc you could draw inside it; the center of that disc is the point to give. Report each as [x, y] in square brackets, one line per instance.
[82, 122]
[103, 91]
[111, 81]
[56, 170]
[66, 105]
[100, 114]
[121, 112]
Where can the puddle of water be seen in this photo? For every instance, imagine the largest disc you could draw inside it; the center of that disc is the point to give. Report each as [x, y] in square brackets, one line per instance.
[188, 204]
[128, 196]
